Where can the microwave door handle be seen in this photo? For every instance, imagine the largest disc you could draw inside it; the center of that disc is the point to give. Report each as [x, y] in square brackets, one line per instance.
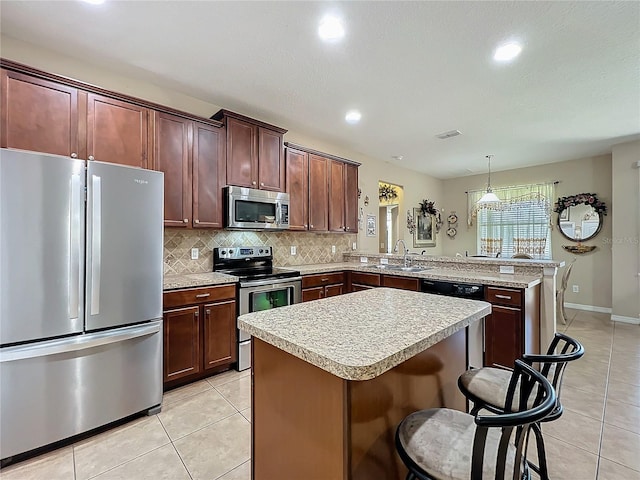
[278, 213]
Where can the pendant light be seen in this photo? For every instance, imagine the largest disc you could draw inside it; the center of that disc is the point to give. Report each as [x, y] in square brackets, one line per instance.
[489, 197]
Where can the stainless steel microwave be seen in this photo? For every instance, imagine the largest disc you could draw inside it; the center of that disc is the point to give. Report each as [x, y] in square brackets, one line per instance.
[250, 209]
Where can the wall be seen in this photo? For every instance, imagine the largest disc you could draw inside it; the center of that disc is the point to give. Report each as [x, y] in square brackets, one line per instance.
[591, 272]
[625, 241]
[416, 186]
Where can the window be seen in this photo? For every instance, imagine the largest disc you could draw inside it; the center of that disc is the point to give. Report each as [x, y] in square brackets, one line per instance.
[521, 223]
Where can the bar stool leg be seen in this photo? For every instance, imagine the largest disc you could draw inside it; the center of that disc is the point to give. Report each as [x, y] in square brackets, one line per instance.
[541, 468]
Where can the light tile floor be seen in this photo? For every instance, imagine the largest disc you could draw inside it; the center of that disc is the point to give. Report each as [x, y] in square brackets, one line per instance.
[203, 431]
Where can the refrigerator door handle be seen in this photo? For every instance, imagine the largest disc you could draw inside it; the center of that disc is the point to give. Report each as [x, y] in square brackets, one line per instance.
[74, 247]
[83, 342]
[96, 240]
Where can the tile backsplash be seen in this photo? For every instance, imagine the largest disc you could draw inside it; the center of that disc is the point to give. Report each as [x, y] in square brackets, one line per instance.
[310, 247]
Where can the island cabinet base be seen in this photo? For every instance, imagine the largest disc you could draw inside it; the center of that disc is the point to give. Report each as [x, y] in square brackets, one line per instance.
[308, 423]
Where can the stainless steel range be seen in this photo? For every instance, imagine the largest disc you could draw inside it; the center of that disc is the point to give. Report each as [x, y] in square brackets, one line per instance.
[262, 286]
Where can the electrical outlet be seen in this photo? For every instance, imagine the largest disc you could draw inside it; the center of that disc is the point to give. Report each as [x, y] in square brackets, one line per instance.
[354, 246]
[384, 261]
[293, 249]
[333, 249]
[195, 253]
[576, 289]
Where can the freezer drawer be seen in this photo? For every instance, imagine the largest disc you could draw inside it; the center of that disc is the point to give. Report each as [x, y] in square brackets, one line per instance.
[56, 389]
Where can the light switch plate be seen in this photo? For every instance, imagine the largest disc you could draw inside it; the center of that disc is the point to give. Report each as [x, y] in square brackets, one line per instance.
[333, 249]
[507, 269]
[354, 246]
[364, 260]
[195, 253]
[293, 249]
[384, 261]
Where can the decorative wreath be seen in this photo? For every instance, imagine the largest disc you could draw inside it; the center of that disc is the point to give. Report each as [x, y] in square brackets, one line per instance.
[428, 207]
[387, 192]
[586, 198]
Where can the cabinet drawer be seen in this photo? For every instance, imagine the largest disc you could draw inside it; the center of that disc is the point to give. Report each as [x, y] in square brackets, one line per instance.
[197, 295]
[404, 283]
[504, 296]
[320, 280]
[372, 279]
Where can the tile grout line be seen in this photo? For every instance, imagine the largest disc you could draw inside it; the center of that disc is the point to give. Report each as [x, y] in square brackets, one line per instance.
[174, 448]
[604, 412]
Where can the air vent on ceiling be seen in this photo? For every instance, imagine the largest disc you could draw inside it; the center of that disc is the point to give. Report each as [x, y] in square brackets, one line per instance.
[449, 134]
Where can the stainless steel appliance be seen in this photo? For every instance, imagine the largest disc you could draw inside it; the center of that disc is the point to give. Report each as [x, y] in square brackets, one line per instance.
[250, 209]
[262, 286]
[80, 296]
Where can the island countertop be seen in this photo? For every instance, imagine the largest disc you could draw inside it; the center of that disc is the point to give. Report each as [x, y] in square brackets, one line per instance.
[360, 335]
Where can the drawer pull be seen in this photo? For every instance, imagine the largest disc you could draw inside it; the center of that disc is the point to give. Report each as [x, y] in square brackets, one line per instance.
[324, 279]
[505, 297]
[203, 295]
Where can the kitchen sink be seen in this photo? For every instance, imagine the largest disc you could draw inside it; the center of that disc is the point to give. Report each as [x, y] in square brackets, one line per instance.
[399, 268]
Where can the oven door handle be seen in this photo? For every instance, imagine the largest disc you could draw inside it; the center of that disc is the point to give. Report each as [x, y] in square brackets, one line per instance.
[276, 281]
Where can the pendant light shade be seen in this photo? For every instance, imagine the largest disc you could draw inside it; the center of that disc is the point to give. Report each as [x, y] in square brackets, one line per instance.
[489, 197]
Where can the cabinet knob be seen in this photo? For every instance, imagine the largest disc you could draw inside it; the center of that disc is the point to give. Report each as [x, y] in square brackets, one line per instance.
[253, 183]
[197, 221]
[311, 226]
[208, 312]
[186, 220]
[91, 157]
[262, 184]
[74, 155]
[306, 226]
[346, 229]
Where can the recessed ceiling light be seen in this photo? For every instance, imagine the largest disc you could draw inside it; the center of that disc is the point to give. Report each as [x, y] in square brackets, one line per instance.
[93, 2]
[353, 117]
[507, 52]
[331, 29]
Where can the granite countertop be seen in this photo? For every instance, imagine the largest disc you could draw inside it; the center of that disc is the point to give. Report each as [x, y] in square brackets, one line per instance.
[188, 280]
[487, 278]
[359, 336]
[491, 261]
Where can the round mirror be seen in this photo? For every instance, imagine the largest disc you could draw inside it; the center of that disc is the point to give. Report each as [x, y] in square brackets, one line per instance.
[579, 222]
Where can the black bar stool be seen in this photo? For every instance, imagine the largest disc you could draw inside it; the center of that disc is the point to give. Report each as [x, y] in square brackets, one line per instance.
[487, 387]
[440, 443]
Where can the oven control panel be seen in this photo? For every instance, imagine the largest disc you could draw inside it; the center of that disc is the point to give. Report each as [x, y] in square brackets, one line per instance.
[242, 252]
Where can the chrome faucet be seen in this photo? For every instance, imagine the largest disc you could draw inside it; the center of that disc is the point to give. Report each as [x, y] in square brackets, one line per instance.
[406, 251]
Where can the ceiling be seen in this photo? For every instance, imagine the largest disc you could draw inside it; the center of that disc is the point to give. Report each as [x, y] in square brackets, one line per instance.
[414, 70]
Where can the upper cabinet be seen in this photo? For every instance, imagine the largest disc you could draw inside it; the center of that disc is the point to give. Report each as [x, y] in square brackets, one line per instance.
[117, 132]
[38, 115]
[191, 155]
[254, 155]
[323, 191]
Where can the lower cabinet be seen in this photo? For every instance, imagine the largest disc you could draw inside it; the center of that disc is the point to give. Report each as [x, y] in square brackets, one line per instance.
[513, 328]
[199, 332]
[363, 281]
[315, 287]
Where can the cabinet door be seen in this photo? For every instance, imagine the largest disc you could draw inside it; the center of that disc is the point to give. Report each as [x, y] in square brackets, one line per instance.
[503, 336]
[219, 334]
[242, 155]
[315, 293]
[181, 343]
[38, 115]
[172, 155]
[318, 196]
[336, 196]
[334, 290]
[403, 283]
[117, 132]
[297, 185]
[270, 160]
[209, 175]
[351, 198]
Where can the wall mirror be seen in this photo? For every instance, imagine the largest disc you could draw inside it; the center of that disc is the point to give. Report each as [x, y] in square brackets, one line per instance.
[580, 217]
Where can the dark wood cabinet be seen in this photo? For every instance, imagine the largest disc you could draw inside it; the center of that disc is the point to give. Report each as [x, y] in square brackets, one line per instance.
[351, 198]
[297, 186]
[255, 155]
[199, 332]
[209, 172]
[182, 355]
[336, 196]
[191, 155]
[513, 327]
[38, 115]
[117, 131]
[322, 285]
[219, 333]
[318, 193]
[363, 281]
[403, 283]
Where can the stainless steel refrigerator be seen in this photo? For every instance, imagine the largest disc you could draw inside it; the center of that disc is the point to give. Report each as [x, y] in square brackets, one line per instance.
[80, 296]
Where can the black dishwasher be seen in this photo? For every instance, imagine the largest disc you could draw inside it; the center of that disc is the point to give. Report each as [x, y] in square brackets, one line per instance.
[454, 289]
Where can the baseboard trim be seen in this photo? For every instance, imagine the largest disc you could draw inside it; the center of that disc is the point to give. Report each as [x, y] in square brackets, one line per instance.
[623, 319]
[588, 308]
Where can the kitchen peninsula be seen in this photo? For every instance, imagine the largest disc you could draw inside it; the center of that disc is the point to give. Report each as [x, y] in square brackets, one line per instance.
[332, 378]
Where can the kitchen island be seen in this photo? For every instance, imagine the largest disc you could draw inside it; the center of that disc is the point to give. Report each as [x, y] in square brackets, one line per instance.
[332, 378]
